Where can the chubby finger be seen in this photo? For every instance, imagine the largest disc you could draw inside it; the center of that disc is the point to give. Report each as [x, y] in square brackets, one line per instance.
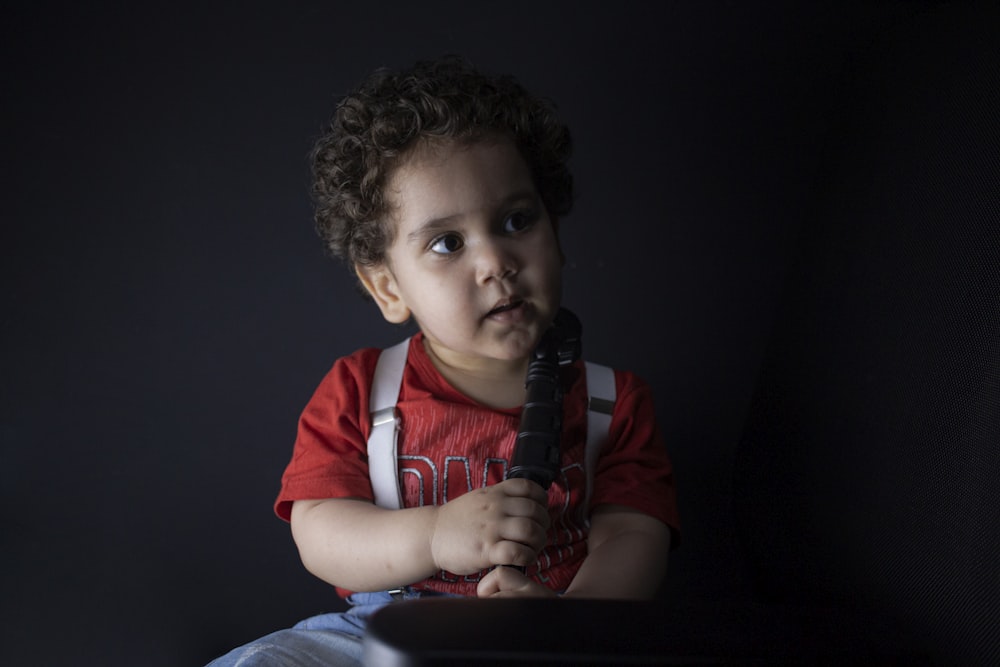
[509, 582]
[524, 531]
[499, 580]
[524, 488]
[507, 552]
[528, 509]
[490, 584]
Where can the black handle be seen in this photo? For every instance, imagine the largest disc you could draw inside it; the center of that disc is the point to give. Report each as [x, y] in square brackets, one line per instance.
[536, 452]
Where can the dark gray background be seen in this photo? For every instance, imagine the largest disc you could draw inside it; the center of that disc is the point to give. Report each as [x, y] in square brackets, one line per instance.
[168, 310]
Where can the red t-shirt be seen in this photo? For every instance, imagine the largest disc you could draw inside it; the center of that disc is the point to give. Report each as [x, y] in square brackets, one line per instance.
[448, 445]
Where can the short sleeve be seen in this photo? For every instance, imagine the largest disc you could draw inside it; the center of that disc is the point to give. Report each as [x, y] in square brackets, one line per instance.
[329, 459]
[634, 468]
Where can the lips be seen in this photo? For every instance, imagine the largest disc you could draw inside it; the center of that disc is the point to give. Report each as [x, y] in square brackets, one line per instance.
[505, 305]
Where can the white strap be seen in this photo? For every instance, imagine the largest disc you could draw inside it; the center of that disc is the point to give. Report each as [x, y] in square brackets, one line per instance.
[602, 394]
[386, 383]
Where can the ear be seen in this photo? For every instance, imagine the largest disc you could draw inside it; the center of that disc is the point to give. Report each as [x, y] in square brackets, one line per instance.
[381, 285]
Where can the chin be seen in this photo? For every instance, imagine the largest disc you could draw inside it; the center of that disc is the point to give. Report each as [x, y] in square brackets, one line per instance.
[518, 347]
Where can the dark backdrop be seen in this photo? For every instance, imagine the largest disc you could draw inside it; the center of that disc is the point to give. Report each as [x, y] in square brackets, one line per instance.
[167, 309]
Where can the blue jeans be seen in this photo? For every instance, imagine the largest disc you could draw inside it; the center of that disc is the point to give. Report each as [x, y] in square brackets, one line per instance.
[327, 640]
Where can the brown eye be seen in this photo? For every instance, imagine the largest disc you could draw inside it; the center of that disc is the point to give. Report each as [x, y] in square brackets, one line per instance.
[446, 244]
[517, 222]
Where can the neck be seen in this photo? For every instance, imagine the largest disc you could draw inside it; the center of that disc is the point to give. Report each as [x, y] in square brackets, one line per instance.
[494, 383]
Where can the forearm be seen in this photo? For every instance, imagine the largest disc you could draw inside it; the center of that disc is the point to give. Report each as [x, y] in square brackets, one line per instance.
[627, 557]
[355, 545]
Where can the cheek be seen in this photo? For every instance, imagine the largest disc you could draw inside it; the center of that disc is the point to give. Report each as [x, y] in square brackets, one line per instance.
[550, 260]
[549, 249]
[445, 295]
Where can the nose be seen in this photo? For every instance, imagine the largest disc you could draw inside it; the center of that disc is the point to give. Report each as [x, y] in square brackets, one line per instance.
[494, 260]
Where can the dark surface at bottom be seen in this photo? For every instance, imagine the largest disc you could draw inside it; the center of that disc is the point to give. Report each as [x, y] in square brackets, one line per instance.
[594, 632]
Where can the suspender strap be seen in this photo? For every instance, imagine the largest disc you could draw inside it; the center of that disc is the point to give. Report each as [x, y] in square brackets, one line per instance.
[388, 379]
[385, 425]
[602, 392]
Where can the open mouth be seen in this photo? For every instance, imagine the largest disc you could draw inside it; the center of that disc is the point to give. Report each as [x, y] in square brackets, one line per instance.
[506, 305]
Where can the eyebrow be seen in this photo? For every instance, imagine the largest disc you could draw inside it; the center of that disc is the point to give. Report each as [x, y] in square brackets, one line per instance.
[432, 226]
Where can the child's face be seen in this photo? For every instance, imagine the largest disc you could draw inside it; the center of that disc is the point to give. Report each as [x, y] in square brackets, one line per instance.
[475, 259]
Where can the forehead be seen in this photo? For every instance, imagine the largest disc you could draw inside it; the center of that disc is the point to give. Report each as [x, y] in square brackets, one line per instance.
[443, 178]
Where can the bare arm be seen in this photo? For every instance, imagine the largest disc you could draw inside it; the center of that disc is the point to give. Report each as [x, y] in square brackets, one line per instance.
[627, 555]
[355, 545]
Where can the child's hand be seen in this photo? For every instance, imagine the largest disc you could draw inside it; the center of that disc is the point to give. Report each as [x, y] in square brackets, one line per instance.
[506, 582]
[501, 524]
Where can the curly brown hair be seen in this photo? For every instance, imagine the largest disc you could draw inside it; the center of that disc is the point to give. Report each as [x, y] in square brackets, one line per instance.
[376, 126]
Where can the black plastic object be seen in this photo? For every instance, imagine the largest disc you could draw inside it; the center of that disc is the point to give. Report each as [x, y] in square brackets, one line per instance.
[536, 453]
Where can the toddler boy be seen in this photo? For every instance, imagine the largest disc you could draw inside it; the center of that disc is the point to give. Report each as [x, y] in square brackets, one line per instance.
[443, 188]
